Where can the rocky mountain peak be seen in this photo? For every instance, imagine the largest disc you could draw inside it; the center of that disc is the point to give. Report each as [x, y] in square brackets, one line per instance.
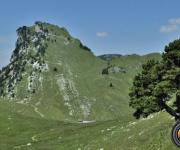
[28, 55]
[28, 60]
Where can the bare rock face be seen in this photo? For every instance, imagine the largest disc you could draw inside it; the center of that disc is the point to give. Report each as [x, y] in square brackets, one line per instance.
[29, 53]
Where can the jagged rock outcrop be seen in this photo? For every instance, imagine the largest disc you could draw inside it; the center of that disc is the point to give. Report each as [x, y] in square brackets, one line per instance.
[29, 53]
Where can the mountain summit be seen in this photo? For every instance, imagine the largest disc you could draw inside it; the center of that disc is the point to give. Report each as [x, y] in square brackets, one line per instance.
[38, 65]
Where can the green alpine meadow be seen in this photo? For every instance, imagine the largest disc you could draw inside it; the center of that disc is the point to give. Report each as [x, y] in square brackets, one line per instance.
[55, 94]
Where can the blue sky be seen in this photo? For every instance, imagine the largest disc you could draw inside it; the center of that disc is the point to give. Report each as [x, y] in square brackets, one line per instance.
[106, 26]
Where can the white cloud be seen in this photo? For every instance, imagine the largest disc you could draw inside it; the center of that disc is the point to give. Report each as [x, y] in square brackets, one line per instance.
[168, 28]
[172, 26]
[102, 34]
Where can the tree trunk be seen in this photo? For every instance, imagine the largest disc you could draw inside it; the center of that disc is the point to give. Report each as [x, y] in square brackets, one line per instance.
[171, 111]
[178, 102]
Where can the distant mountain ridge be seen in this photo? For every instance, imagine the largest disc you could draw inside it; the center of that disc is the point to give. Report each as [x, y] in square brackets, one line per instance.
[113, 56]
[109, 56]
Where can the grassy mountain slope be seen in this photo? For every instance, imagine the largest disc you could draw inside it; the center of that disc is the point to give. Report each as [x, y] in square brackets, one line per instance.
[29, 133]
[59, 78]
[53, 82]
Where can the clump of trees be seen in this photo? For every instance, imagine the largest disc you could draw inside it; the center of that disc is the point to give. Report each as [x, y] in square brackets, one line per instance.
[105, 71]
[84, 47]
[157, 83]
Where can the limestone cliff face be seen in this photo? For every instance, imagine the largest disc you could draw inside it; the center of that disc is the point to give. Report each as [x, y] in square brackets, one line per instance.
[28, 55]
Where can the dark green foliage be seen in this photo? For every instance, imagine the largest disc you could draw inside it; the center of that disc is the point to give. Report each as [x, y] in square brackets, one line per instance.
[23, 32]
[111, 85]
[55, 69]
[42, 50]
[12, 95]
[156, 83]
[172, 53]
[33, 91]
[38, 22]
[177, 81]
[3, 68]
[105, 71]
[84, 47]
[46, 31]
[68, 38]
[1, 92]
[142, 96]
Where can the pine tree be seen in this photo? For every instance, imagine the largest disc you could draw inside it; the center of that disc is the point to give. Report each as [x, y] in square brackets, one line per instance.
[156, 84]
